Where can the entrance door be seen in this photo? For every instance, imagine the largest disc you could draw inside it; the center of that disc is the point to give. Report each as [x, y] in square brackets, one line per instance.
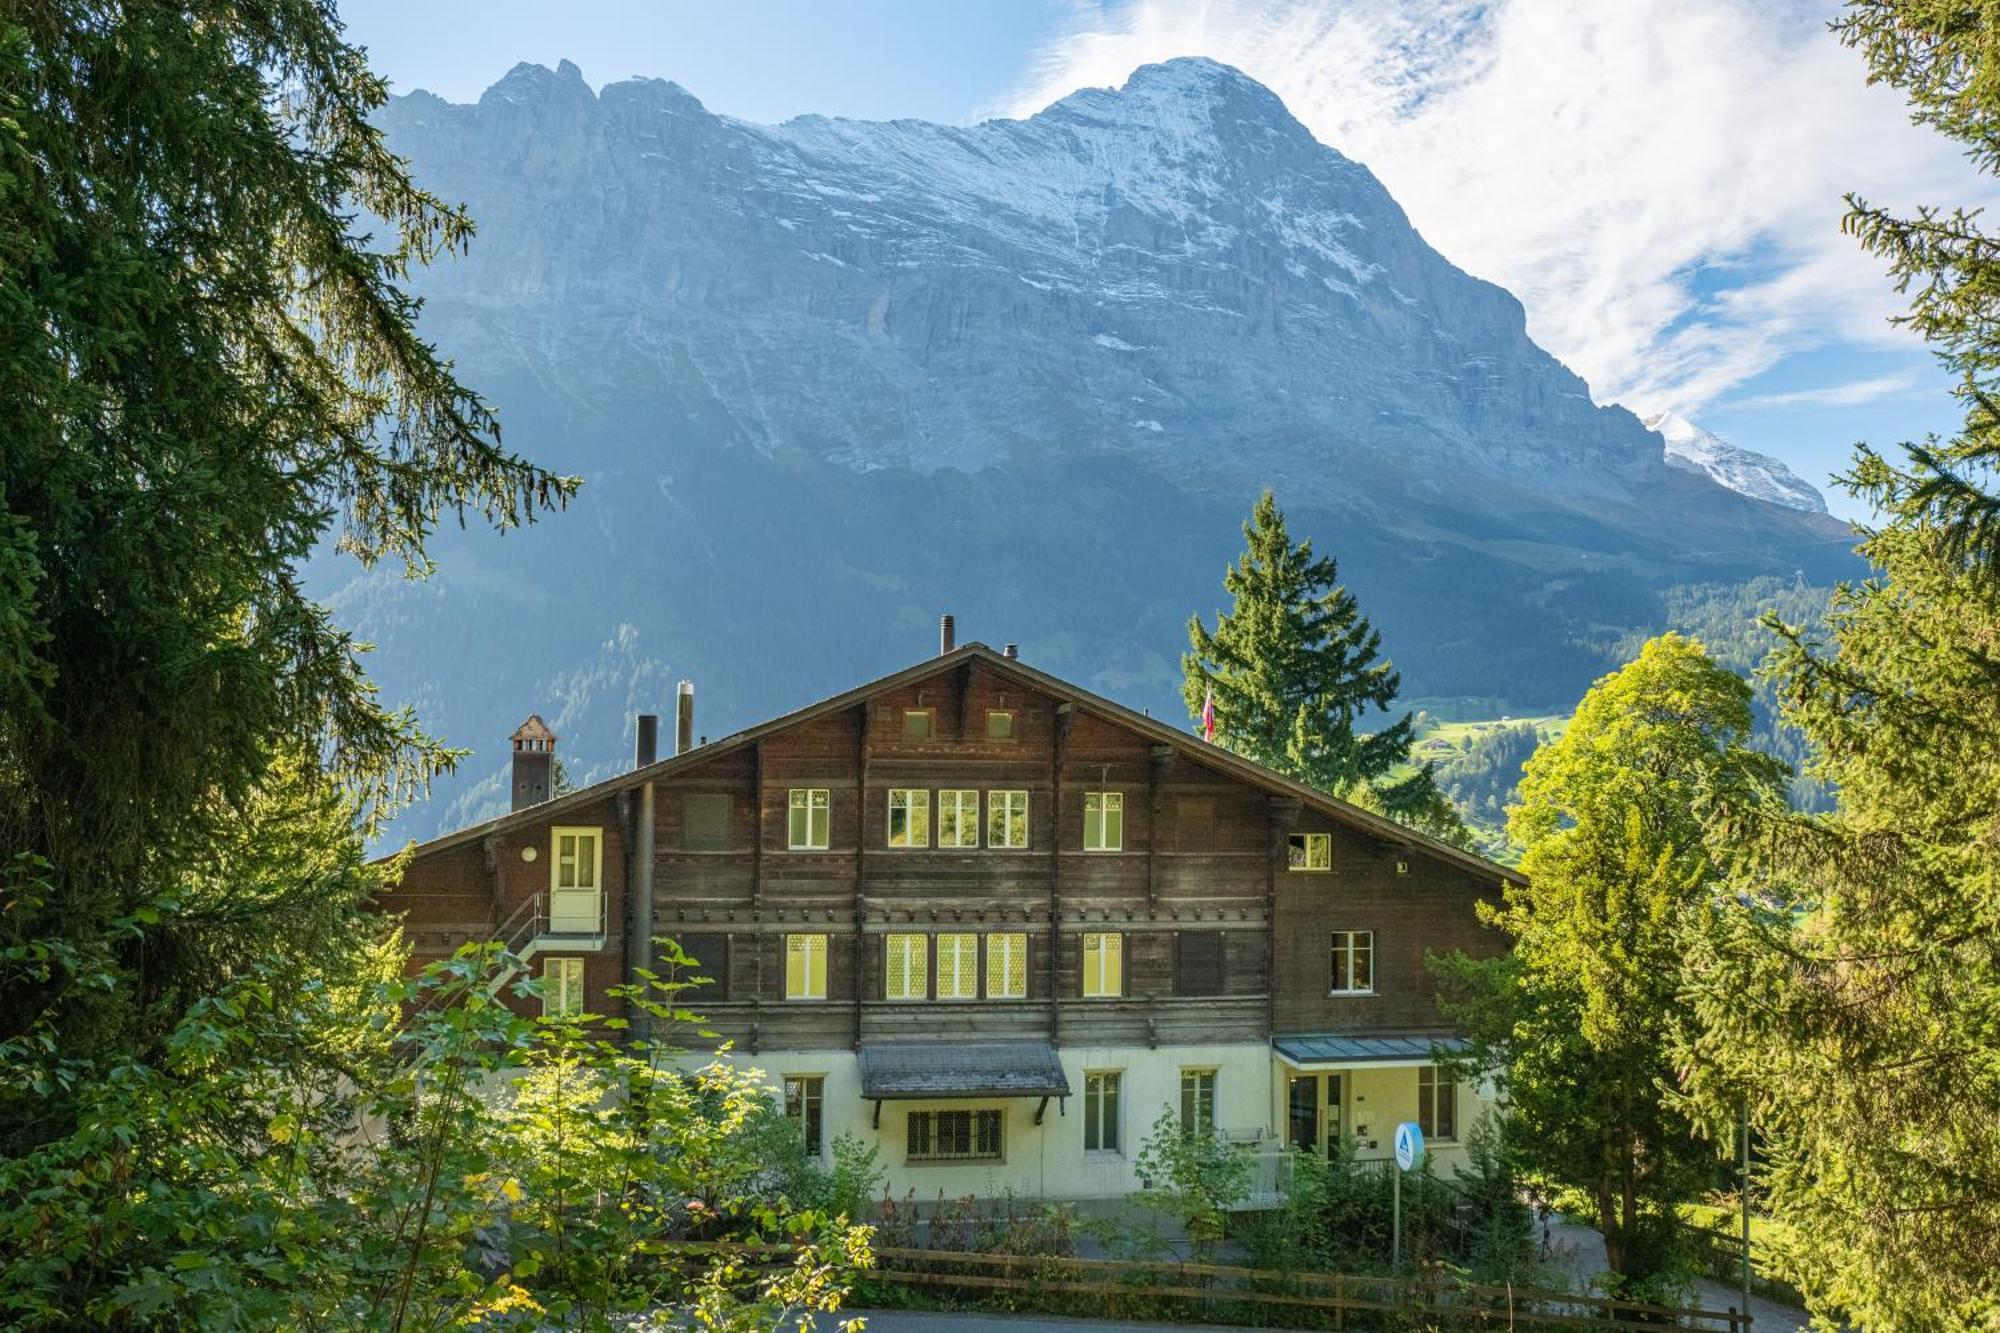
[1313, 1105]
[575, 888]
[1303, 1117]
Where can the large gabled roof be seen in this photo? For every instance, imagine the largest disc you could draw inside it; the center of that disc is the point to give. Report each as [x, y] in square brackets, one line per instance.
[1193, 747]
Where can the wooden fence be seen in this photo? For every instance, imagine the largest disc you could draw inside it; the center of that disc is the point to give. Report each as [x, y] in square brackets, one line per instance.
[1328, 1300]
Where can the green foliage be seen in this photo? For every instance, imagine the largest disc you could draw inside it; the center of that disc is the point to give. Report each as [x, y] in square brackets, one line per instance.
[326, 1165]
[1194, 1176]
[207, 362]
[1851, 997]
[1576, 1021]
[1337, 1216]
[1296, 669]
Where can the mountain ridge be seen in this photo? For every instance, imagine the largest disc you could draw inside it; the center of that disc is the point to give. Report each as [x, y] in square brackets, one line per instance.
[838, 376]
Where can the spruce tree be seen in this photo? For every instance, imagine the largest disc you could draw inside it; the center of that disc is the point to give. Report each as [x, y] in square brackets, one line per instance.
[1853, 1000]
[209, 367]
[1296, 670]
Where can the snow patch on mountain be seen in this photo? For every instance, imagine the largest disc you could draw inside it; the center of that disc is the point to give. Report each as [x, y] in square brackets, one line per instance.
[1745, 471]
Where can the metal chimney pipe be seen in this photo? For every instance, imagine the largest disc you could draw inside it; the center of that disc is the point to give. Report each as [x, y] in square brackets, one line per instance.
[684, 718]
[1011, 652]
[648, 748]
[947, 634]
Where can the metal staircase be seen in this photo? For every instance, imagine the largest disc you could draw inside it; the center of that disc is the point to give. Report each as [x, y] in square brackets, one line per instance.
[521, 936]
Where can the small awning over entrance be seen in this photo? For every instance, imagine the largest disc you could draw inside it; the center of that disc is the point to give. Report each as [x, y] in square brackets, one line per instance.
[1317, 1050]
[892, 1070]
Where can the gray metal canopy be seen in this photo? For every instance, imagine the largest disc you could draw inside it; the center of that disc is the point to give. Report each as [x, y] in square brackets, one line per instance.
[901, 1070]
[1328, 1048]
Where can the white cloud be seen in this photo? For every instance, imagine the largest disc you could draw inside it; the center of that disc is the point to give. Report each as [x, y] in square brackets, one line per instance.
[1659, 181]
[1830, 395]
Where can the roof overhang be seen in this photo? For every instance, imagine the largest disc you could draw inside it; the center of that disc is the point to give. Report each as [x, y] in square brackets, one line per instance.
[1380, 827]
[1331, 1050]
[946, 1070]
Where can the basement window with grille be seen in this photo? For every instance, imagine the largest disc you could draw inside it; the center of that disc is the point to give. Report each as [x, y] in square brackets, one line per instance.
[954, 1136]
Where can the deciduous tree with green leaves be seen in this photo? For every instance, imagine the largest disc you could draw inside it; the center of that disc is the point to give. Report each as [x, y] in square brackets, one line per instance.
[1297, 670]
[1576, 1023]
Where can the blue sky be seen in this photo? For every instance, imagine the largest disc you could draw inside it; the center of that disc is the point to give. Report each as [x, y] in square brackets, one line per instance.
[1659, 181]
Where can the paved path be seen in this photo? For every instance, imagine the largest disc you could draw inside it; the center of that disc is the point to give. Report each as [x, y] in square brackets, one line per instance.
[1580, 1250]
[916, 1321]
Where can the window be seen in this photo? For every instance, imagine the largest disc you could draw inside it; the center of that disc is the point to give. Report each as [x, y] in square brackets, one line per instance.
[1006, 819]
[916, 724]
[1353, 962]
[579, 859]
[805, 1098]
[999, 725]
[958, 819]
[562, 987]
[805, 967]
[1197, 1101]
[576, 902]
[1103, 821]
[1100, 1112]
[705, 821]
[809, 819]
[905, 967]
[958, 967]
[1103, 965]
[1310, 851]
[1194, 824]
[1198, 962]
[1437, 1103]
[711, 961]
[954, 1136]
[909, 817]
[1007, 967]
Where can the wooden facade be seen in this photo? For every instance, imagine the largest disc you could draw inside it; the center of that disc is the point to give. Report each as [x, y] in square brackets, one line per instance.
[1220, 940]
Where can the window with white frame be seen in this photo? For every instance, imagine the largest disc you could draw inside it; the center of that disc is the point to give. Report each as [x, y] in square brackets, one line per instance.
[805, 967]
[906, 967]
[808, 828]
[1197, 1101]
[1100, 1111]
[1353, 962]
[579, 859]
[1103, 821]
[805, 1103]
[958, 818]
[1437, 1103]
[909, 817]
[1310, 851]
[1006, 819]
[1007, 966]
[1103, 965]
[954, 1136]
[562, 987]
[958, 966]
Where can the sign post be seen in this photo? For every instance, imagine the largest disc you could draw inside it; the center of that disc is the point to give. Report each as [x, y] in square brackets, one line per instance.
[1409, 1157]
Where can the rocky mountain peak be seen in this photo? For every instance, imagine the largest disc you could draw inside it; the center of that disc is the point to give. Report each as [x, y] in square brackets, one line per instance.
[1761, 477]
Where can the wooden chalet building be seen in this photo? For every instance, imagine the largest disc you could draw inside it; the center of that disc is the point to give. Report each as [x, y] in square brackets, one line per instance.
[994, 923]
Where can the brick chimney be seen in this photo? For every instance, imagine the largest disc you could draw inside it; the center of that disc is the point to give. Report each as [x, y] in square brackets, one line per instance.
[534, 762]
